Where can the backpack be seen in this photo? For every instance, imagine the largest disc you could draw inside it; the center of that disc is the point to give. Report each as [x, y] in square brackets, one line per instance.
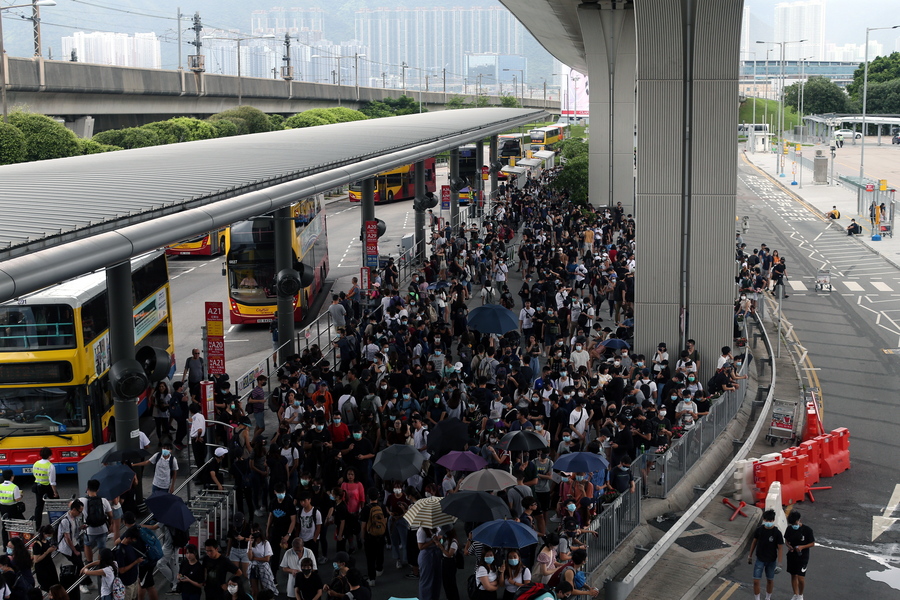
[368, 405]
[472, 587]
[96, 517]
[534, 591]
[557, 575]
[375, 524]
[117, 588]
[486, 368]
[180, 538]
[275, 402]
[154, 547]
[236, 446]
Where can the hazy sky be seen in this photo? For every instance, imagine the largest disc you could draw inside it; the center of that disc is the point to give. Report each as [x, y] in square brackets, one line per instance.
[845, 20]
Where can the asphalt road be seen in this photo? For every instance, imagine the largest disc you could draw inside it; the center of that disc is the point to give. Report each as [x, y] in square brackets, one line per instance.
[853, 338]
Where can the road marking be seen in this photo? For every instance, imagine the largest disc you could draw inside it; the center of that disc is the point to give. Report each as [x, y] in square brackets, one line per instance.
[735, 587]
[719, 590]
[881, 286]
[797, 286]
[853, 286]
[883, 522]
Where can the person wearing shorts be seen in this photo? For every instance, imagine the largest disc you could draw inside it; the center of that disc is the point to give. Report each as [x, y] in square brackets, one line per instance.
[799, 539]
[768, 544]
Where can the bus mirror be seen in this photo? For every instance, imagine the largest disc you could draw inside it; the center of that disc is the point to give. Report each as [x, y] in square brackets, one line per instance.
[127, 379]
[154, 361]
[458, 184]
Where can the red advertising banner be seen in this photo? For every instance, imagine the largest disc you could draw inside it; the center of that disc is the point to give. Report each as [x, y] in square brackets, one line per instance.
[215, 338]
[371, 244]
[445, 197]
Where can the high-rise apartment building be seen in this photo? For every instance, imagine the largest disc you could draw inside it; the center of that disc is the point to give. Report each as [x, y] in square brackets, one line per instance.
[431, 40]
[746, 48]
[804, 20]
[119, 49]
[306, 25]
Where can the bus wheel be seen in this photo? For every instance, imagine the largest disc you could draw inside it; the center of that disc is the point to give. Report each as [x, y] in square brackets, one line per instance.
[390, 196]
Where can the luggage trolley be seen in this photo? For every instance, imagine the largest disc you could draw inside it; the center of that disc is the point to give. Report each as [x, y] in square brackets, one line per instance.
[823, 280]
[784, 421]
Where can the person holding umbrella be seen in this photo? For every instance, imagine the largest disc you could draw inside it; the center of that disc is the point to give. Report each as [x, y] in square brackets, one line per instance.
[430, 569]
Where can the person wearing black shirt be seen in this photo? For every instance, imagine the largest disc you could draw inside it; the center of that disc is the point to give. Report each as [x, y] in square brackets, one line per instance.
[308, 583]
[42, 550]
[373, 542]
[768, 543]
[191, 574]
[799, 539]
[282, 523]
[217, 569]
[360, 453]
[622, 443]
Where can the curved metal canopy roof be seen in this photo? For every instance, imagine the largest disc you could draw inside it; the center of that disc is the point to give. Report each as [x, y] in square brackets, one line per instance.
[61, 218]
[554, 24]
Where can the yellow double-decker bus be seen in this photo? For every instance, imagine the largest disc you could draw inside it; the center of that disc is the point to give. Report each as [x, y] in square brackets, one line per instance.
[397, 184]
[544, 138]
[250, 262]
[207, 244]
[54, 363]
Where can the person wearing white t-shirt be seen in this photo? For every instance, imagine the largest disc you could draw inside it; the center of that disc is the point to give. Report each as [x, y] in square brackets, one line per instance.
[290, 563]
[95, 534]
[487, 577]
[515, 573]
[686, 413]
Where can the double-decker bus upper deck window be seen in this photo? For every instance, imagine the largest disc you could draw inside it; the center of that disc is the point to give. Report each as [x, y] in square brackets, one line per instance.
[149, 278]
[39, 326]
[94, 317]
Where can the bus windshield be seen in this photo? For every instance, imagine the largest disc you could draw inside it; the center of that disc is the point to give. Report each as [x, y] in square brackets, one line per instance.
[37, 327]
[43, 410]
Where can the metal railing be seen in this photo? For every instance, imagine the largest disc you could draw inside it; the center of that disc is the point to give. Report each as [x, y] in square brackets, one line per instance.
[619, 590]
[614, 523]
[683, 453]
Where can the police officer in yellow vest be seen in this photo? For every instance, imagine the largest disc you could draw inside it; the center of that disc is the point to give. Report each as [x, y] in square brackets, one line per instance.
[44, 473]
[10, 496]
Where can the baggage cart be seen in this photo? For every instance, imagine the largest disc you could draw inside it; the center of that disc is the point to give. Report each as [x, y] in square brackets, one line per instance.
[785, 419]
[823, 280]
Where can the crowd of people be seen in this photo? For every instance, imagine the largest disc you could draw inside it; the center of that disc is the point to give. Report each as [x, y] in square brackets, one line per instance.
[310, 503]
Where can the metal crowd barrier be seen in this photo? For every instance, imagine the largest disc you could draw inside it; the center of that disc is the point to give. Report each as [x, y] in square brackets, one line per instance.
[617, 519]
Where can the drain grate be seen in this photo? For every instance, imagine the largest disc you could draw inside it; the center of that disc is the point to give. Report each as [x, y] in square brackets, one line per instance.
[702, 542]
[667, 525]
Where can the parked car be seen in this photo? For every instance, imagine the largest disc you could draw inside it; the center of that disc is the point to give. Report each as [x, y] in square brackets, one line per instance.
[896, 139]
[847, 133]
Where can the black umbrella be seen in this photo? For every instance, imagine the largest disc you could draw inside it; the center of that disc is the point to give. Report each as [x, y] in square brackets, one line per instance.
[475, 507]
[135, 455]
[448, 435]
[114, 480]
[170, 510]
[398, 462]
[522, 440]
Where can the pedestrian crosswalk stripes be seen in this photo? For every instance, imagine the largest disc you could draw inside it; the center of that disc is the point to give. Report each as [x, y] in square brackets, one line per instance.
[849, 286]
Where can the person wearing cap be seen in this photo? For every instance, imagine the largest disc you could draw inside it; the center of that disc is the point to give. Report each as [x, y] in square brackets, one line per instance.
[210, 475]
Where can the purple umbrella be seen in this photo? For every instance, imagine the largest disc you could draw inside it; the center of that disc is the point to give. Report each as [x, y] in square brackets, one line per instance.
[462, 461]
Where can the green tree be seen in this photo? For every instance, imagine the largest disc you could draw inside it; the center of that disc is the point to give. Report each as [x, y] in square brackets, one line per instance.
[321, 113]
[197, 129]
[13, 145]
[881, 70]
[820, 95]
[883, 98]
[130, 137]
[456, 102]
[573, 177]
[509, 101]
[171, 131]
[482, 101]
[304, 120]
[45, 138]
[345, 115]
[257, 121]
[404, 105]
[93, 147]
[376, 110]
[228, 126]
[572, 147]
[276, 122]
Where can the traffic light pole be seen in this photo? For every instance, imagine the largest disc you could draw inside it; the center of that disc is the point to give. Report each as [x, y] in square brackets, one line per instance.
[121, 348]
[454, 194]
[284, 259]
[419, 212]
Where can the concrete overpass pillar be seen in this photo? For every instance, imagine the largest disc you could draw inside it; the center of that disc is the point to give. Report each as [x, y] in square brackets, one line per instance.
[454, 193]
[608, 32]
[686, 174]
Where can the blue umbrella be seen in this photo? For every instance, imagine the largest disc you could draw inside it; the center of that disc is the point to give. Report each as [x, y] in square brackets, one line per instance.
[580, 462]
[616, 344]
[114, 480]
[170, 510]
[438, 285]
[492, 318]
[505, 534]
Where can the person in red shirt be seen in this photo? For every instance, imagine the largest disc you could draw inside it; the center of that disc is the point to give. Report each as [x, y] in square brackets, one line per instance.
[339, 431]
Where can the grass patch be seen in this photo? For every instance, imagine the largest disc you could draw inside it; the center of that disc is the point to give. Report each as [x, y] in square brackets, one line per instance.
[763, 106]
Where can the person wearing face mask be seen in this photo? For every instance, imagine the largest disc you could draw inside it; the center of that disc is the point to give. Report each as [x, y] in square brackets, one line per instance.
[281, 523]
[339, 432]
[547, 564]
[515, 574]
[218, 568]
[295, 563]
[360, 453]
[767, 547]
[798, 538]
[620, 479]
[489, 579]
[292, 412]
[42, 550]
[166, 469]
[307, 585]
[396, 504]
[622, 442]
[234, 590]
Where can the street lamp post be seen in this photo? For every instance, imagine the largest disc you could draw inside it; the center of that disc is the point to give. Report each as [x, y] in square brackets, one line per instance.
[862, 149]
[567, 90]
[521, 73]
[575, 79]
[781, 103]
[33, 5]
[403, 68]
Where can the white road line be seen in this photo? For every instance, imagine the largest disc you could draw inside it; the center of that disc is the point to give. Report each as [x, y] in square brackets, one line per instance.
[881, 286]
[798, 286]
[853, 286]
